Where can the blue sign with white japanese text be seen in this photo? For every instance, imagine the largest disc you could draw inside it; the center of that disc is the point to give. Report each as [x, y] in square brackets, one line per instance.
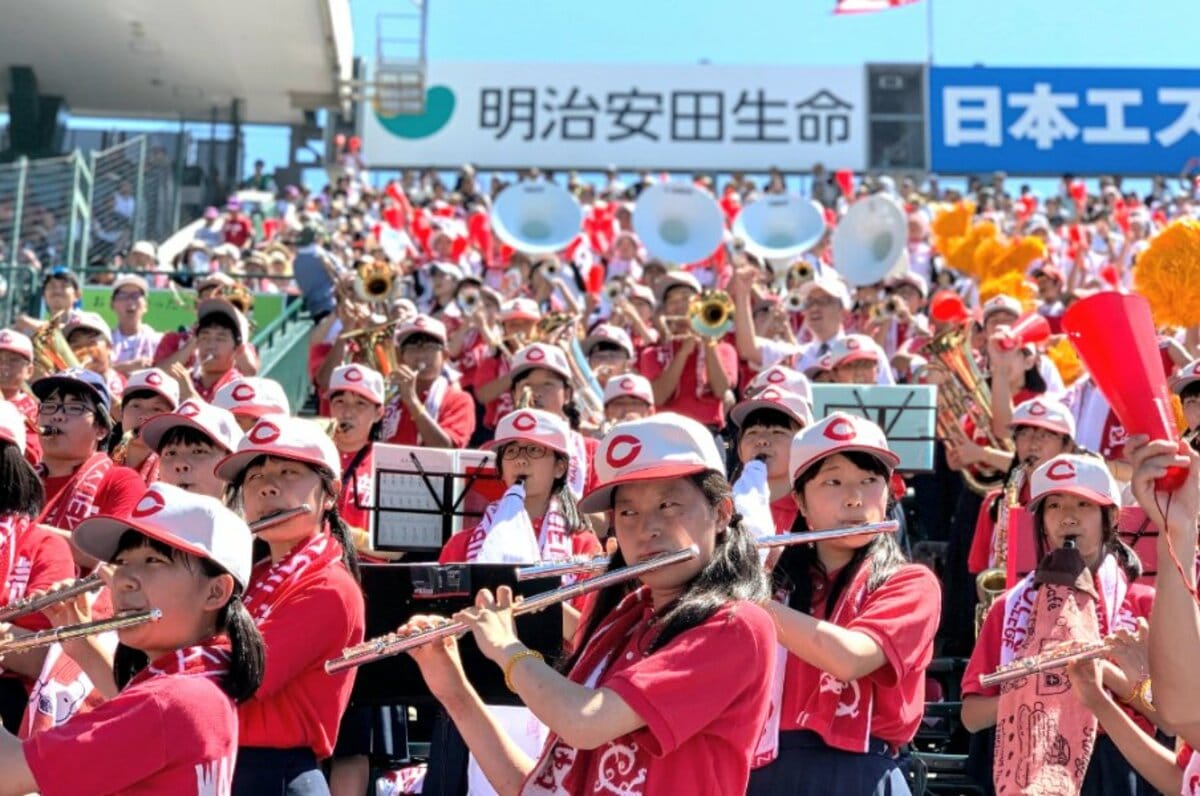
[1051, 121]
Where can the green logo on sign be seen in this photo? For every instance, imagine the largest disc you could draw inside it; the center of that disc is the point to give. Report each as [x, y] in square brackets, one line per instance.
[439, 107]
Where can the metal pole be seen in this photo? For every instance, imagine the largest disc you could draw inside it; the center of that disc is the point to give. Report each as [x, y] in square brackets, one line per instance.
[139, 207]
[22, 170]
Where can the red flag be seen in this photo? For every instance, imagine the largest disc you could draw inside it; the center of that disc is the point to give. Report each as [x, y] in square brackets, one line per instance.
[867, 6]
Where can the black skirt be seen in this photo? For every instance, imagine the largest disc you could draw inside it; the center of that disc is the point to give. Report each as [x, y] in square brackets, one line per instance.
[807, 766]
[277, 772]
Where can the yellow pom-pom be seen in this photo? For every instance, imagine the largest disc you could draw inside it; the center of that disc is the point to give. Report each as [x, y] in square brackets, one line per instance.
[1181, 424]
[1167, 273]
[1012, 284]
[1066, 359]
[962, 257]
[951, 223]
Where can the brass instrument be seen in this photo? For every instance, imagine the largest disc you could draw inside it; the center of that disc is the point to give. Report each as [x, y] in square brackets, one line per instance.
[614, 290]
[44, 638]
[239, 296]
[794, 301]
[1057, 657]
[964, 392]
[993, 582]
[375, 281]
[467, 301]
[394, 644]
[711, 313]
[36, 603]
[582, 565]
[51, 354]
[885, 310]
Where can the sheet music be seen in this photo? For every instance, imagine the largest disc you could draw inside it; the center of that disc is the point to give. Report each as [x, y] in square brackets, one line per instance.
[907, 413]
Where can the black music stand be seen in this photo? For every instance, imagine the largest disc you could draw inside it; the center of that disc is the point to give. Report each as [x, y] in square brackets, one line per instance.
[907, 413]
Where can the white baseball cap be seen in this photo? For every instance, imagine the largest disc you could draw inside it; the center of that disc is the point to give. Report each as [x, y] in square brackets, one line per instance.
[144, 247]
[87, 320]
[196, 524]
[1044, 413]
[283, 437]
[358, 379]
[914, 279]
[607, 333]
[421, 324]
[220, 306]
[675, 279]
[125, 280]
[1001, 303]
[813, 363]
[784, 378]
[253, 396]
[540, 355]
[629, 385]
[1188, 374]
[640, 291]
[156, 381]
[665, 445]
[1069, 473]
[791, 404]
[17, 343]
[216, 423]
[853, 348]
[12, 425]
[519, 309]
[443, 267]
[532, 425]
[838, 433]
[828, 282]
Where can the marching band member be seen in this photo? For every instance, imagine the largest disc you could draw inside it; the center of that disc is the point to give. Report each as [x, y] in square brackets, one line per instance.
[32, 559]
[79, 478]
[90, 337]
[668, 686]
[305, 599]
[628, 397]
[431, 409]
[148, 393]
[221, 333]
[766, 424]
[532, 447]
[249, 398]
[173, 726]
[857, 359]
[16, 369]
[858, 623]
[190, 442]
[609, 352]
[493, 378]
[1071, 497]
[356, 402]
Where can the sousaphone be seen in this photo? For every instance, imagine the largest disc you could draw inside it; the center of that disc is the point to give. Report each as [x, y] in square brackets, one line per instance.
[780, 227]
[678, 222]
[536, 217]
[870, 243]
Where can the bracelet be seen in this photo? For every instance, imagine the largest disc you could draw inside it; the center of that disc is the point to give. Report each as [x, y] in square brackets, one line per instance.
[508, 667]
[1142, 694]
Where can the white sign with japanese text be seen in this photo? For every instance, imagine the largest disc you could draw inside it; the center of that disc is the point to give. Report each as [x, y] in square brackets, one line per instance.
[633, 116]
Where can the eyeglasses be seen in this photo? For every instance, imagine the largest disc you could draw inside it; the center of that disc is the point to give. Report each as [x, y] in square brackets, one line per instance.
[51, 408]
[530, 452]
[823, 301]
[125, 295]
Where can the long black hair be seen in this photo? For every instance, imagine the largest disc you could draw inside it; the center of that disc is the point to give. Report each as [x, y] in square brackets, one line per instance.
[337, 526]
[1110, 539]
[247, 654]
[733, 573]
[23, 492]
[800, 564]
[567, 506]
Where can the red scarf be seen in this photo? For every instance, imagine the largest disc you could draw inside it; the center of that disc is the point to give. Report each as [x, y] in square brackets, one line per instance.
[76, 501]
[271, 584]
[561, 768]
[210, 658]
[12, 526]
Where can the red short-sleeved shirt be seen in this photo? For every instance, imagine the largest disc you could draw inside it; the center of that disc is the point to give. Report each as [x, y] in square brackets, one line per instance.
[901, 616]
[487, 371]
[355, 499]
[238, 230]
[783, 512]
[707, 408]
[41, 559]
[119, 491]
[174, 734]
[298, 704]
[704, 698]
[583, 543]
[456, 416]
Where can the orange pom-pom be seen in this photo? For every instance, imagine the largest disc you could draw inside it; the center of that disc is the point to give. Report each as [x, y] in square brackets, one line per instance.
[1011, 284]
[962, 257]
[951, 223]
[1167, 273]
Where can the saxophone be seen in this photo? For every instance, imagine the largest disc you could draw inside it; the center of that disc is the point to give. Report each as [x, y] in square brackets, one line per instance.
[993, 581]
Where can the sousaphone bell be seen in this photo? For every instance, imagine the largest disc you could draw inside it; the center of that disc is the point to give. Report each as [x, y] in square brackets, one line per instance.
[870, 243]
[780, 227]
[678, 222]
[536, 217]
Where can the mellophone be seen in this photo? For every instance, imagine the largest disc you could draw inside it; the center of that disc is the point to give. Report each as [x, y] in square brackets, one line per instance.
[391, 644]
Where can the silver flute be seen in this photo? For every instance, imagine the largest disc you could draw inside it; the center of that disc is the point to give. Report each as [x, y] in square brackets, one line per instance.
[394, 643]
[44, 638]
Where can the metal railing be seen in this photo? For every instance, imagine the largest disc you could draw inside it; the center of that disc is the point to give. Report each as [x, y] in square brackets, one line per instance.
[283, 349]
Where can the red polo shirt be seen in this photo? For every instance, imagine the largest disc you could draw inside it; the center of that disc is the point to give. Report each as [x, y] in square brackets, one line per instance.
[119, 491]
[705, 408]
[456, 416]
[41, 559]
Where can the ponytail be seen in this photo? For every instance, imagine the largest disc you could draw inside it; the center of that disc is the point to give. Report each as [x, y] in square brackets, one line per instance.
[248, 655]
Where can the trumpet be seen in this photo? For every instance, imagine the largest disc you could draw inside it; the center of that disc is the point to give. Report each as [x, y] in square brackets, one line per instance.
[550, 268]
[467, 301]
[38, 602]
[394, 644]
[884, 310]
[711, 313]
[614, 290]
[374, 281]
[583, 565]
[794, 301]
[1057, 657]
[44, 638]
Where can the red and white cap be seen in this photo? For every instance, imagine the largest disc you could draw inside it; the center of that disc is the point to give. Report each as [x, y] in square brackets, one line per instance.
[791, 404]
[283, 437]
[1069, 473]
[854, 348]
[665, 445]
[156, 381]
[838, 433]
[1001, 303]
[813, 363]
[422, 324]
[607, 333]
[640, 291]
[216, 423]
[532, 425]
[784, 378]
[540, 355]
[87, 320]
[195, 524]
[629, 385]
[12, 425]
[915, 280]
[675, 279]
[519, 309]
[360, 380]
[828, 282]
[1188, 374]
[253, 396]
[1045, 413]
[17, 343]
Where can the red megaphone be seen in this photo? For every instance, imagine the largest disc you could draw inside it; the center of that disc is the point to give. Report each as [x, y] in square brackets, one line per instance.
[1032, 328]
[947, 306]
[1114, 335]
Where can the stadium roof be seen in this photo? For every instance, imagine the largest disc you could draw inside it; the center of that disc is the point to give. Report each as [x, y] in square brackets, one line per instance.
[180, 58]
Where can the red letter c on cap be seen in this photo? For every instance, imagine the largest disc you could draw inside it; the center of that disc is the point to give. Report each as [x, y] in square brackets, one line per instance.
[264, 433]
[617, 460]
[1061, 471]
[524, 422]
[243, 392]
[151, 503]
[840, 430]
